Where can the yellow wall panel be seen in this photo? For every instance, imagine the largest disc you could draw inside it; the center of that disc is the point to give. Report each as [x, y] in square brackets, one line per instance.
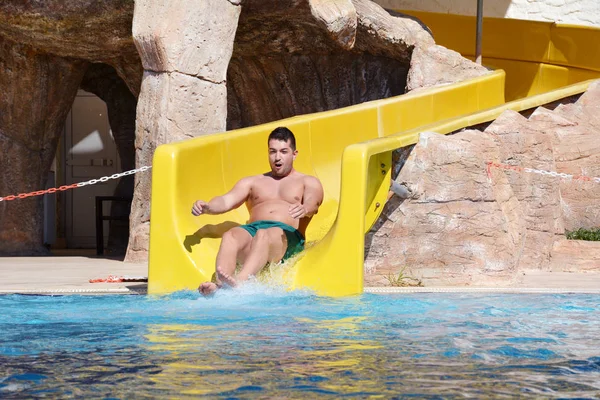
[575, 46]
[502, 37]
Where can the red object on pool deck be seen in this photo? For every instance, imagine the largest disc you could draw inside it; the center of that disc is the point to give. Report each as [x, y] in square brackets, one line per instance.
[118, 279]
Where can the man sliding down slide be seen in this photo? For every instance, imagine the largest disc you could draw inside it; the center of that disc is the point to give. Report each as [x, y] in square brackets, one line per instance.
[281, 204]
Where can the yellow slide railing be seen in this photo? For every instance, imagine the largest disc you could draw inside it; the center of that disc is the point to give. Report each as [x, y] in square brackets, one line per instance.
[349, 150]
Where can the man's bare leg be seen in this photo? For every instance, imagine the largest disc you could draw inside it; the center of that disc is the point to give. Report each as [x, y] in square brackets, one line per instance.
[268, 245]
[234, 245]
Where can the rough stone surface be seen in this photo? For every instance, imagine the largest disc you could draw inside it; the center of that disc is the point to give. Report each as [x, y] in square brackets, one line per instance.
[183, 91]
[464, 227]
[575, 256]
[338, 17]
[37, 93]
[524, 142]
[437, 65]
[192, 38]
[91, 30]
[577, 152]
[459, 224]
[390, 34]
[265, 89]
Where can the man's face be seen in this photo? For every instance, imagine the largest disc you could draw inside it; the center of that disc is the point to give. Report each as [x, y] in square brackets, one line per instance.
[281, 157]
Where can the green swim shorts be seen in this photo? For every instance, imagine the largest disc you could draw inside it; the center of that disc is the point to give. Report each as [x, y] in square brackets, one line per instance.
[295, 240]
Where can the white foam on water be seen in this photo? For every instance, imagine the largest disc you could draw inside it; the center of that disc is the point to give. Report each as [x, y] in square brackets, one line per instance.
[14, 387]
[268, 290]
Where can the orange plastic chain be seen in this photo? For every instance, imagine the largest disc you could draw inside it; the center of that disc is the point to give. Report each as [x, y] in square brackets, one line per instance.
[74, 185]
[38, 192]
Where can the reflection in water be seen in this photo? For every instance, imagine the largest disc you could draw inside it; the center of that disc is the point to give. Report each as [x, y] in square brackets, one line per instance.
[216, 361]
[270, 344]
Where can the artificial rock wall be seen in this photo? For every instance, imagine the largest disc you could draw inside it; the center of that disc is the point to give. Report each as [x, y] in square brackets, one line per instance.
[467, 225]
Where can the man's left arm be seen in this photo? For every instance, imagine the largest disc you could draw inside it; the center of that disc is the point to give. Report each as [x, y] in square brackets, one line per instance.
[311, 201]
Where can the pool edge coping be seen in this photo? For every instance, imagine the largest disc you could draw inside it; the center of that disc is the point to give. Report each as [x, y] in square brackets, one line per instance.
[65, 291]
[439, 289]
[369, 290]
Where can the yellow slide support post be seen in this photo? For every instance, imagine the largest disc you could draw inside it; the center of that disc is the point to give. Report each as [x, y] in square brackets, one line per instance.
[349, 150]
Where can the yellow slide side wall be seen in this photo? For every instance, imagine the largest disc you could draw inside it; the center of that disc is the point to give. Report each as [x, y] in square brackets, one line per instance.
[536, 56]
[183, 247]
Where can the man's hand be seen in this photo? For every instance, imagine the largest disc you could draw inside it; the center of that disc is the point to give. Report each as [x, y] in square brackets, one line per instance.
[297, 210]
[200, 207]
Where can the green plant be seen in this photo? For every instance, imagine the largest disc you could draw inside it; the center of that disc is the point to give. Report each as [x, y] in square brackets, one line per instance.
[584, 234]
[403, 280]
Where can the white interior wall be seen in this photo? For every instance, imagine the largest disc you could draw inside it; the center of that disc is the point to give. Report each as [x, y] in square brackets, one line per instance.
[578, 12]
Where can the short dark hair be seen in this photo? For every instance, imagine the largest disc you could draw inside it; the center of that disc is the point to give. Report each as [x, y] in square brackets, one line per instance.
[284, 134]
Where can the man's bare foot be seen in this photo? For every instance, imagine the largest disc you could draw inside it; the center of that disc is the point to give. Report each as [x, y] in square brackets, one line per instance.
[226, 278]
[208, 288]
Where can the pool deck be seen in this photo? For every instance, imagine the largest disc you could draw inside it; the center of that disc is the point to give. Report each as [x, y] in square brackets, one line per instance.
[68, 275]
[57, 275]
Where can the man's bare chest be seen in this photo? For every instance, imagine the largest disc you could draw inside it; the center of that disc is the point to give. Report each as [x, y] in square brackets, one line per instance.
[267, 189]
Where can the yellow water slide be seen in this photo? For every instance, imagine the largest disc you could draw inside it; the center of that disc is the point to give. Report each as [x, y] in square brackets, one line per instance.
[350, 149]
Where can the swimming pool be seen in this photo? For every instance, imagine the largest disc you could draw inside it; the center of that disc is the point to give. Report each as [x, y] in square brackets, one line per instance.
[266, 343]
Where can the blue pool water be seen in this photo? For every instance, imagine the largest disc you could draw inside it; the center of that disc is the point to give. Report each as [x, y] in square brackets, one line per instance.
[260, 343]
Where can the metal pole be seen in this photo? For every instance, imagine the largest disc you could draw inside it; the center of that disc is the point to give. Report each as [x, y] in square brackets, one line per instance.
[479, 31]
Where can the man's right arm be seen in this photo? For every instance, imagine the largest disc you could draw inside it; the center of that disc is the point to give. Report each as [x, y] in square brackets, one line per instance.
[227, 202]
